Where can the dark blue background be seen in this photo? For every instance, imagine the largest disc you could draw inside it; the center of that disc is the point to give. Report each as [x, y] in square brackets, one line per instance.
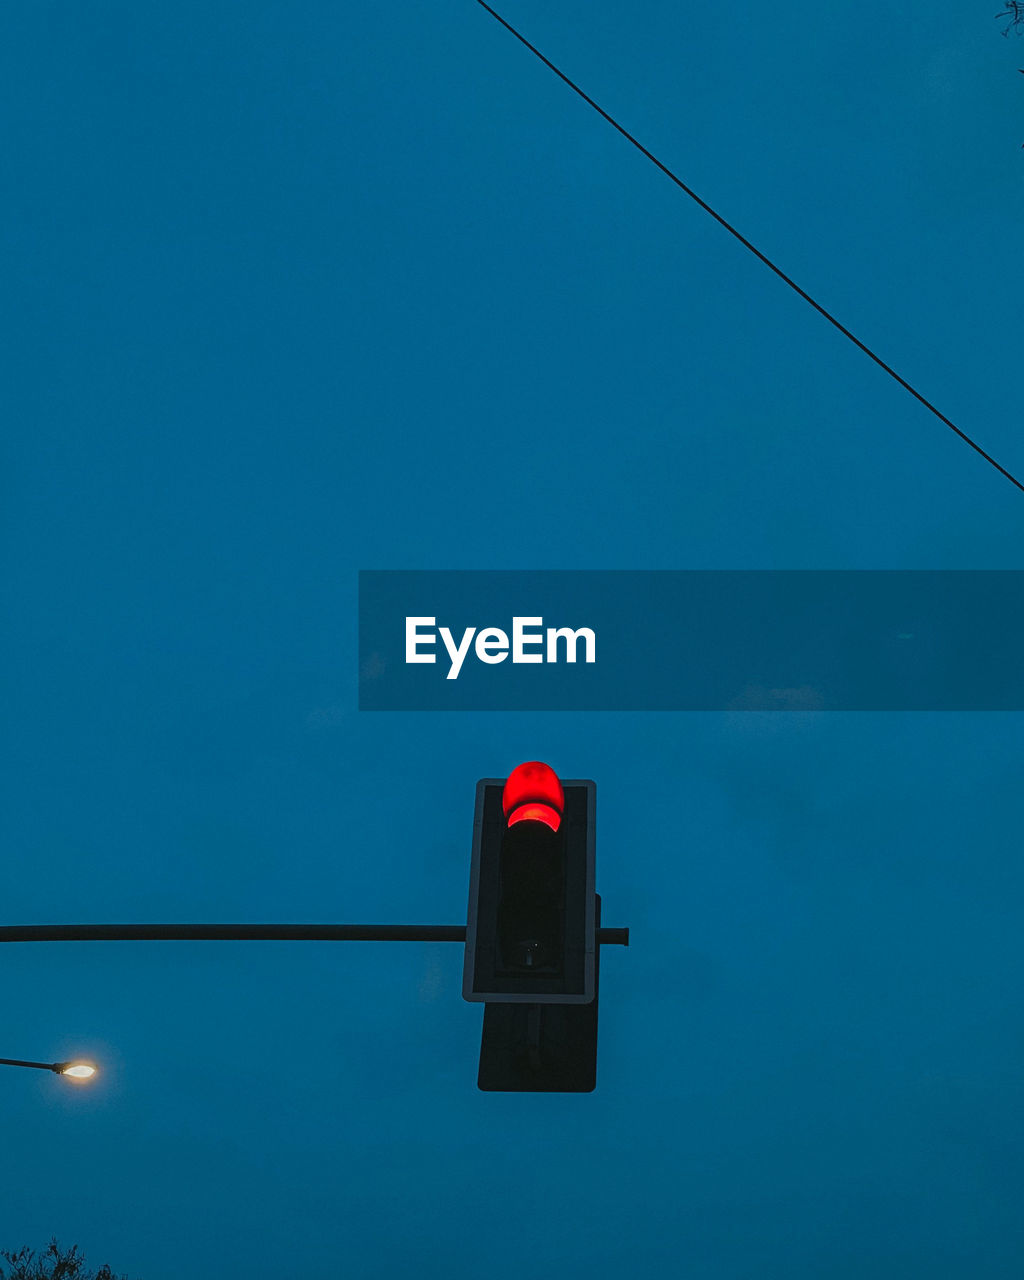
[294, 291]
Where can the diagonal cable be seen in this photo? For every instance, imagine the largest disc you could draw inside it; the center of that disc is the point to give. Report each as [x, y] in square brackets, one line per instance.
[753, 249]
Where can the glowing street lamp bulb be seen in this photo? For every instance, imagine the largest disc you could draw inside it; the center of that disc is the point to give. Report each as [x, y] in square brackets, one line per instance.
[79, 1071]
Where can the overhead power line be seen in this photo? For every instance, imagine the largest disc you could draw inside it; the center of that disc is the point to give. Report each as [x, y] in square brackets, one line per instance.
[753, 249]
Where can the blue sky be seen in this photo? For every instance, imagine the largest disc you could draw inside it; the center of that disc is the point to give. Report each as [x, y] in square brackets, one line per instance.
[293, 292]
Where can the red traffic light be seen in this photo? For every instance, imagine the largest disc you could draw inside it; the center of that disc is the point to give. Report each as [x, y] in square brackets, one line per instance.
[533, 793]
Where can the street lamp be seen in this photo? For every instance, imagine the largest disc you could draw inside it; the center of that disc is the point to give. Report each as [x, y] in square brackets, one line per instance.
[75, 1069]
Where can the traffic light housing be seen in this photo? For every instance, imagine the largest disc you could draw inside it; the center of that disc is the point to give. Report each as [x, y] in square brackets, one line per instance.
[531, 948]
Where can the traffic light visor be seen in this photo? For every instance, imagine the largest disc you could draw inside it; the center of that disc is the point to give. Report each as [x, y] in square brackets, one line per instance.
[533, 793]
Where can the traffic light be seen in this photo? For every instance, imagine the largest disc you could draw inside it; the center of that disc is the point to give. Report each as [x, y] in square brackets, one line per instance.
[531, 950]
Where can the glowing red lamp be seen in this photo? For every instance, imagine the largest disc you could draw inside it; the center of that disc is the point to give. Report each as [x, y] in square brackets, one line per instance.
[533, 793]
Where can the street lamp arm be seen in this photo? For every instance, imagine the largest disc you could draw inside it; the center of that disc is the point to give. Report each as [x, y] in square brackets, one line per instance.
[75, 1068]
[254, 933]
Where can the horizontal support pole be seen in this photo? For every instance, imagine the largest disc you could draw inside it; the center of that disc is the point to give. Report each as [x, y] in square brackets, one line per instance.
[255, 933]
